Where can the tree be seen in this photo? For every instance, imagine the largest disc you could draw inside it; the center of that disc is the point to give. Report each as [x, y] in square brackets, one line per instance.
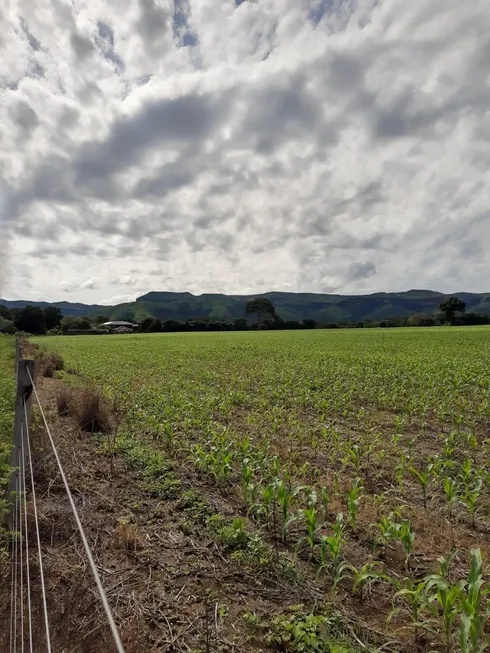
[240, 324]
[4, 312]
[6, 326]
[73, 323]
[101, 319]
[30, 319]
[261, 306]
[450, 306]
[309, 324]
[53, 317]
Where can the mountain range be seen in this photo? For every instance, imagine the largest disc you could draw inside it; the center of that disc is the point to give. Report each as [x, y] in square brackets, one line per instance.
[289, 306]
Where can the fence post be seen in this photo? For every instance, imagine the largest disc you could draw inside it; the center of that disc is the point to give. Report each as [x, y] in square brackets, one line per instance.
[23, 396]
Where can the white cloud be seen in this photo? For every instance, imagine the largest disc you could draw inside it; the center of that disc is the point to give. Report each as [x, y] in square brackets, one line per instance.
[218, 146]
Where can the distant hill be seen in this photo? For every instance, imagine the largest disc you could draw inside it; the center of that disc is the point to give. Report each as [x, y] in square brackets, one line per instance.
[67, 308]
[289, 306]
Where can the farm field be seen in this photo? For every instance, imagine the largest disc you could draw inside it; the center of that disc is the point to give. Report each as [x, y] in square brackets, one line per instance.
[352, 463]
[7, 390]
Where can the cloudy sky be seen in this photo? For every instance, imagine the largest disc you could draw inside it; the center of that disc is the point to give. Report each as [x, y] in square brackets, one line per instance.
[243, 146]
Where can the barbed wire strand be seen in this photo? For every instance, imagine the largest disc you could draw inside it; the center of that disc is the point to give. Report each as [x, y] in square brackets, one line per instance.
[16, 557]
[21, 539]
[86, 546]
[12, 580]
[38, 536]
[28, 572]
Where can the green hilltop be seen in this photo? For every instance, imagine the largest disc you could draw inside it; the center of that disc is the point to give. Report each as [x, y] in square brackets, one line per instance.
[292, 306]
[289, 306]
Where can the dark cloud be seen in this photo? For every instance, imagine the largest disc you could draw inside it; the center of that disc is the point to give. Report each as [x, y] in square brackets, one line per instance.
[279, 111]
[33, 42]
[163, 122]
[106, 43]
[82, 46]
[361, 271]
[24, 116]
[153, 23]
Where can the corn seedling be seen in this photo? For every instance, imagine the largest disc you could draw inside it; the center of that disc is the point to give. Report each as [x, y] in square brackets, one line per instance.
[310, 515]
[285, 495]
[335, 541]
[475, 609]
[444, 600]
[407, 537]
[364, 577]
[388, 529]
[451, 489]
[423, 478]
[353, 498]
[470, 498]
[413, 595]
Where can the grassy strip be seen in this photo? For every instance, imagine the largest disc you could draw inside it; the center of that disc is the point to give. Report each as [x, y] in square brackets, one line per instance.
[7, 404]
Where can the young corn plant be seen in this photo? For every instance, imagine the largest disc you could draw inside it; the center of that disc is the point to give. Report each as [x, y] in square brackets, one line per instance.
[353, 498]
[467, 473]
[407, 537]
[249, 487]
[334, 542]
[267, 507]
[388, 529]
[365, 577]
[325, 502]
[444, 601]
[353, 458]
[313, 526]
[475, 612]
[423, 478]
[285, 496]
[470, 498]
[451, 491]
[330, 552]
[413, 595]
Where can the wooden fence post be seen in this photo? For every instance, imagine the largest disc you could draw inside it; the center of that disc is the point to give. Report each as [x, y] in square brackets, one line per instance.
[23, 396]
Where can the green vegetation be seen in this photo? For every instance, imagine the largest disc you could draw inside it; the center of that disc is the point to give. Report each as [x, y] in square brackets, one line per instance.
[289, 306]
[7, 398]
[356, 461]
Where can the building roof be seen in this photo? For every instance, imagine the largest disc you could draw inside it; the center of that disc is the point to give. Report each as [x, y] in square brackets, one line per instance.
[119, 323]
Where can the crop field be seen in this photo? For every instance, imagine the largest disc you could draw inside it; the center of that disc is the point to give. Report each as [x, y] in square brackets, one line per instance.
[354, 463]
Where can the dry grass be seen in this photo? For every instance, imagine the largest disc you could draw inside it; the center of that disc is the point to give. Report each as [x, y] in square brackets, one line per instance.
[64, 400]
[128, 536]
[92, 412]
[48, 364]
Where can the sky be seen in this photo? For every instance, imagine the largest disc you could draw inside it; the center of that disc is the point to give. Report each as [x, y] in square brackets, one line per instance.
[243, 146]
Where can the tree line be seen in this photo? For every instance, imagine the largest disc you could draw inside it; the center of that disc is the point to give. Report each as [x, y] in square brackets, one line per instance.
[39, 321]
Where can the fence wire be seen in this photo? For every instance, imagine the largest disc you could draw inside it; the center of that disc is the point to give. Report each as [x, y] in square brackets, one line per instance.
[21, 591]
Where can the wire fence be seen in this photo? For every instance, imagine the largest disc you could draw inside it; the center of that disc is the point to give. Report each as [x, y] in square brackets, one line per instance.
[23, 637]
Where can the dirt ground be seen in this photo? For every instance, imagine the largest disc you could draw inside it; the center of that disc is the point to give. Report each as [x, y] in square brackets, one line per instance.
[173, 582]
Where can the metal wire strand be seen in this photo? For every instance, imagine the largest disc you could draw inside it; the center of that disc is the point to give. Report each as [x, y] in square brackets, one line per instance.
[26, 539]
[38, 536]
[12, 582]
[21, 538]
[16, 557]
[86, 546]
